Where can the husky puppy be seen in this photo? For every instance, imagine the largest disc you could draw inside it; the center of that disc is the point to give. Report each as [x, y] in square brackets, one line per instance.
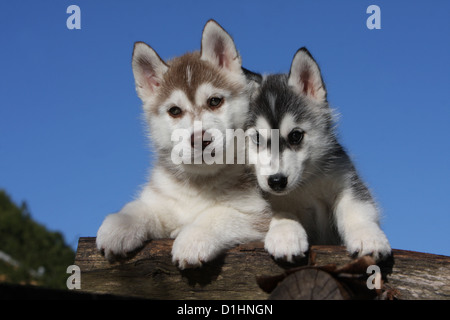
[316, 194]
[206, 208]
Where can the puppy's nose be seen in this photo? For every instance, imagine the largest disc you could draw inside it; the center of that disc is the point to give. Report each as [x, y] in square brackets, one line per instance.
[277, 182]
[199, 136]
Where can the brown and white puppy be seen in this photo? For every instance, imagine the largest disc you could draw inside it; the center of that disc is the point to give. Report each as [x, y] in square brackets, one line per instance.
[205, 203]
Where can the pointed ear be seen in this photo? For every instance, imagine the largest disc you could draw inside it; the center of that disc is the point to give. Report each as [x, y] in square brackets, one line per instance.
[305, 77]
[218, 47]
[148, 69]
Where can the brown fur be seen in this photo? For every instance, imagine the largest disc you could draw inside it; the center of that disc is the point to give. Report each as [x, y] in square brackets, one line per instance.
[176, 78]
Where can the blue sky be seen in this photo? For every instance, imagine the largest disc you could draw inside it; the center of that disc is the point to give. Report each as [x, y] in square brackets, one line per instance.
[73, 146]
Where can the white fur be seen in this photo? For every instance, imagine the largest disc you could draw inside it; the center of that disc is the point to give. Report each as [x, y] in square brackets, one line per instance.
[218, 47]
[359, 226]
[286, 238]
[204, 221]
[313, 210]
[317, 207]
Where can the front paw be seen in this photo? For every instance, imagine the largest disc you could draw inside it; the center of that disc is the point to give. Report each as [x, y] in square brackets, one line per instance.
[368, 241]
[286, 239]
[192, 248]
[118, 235]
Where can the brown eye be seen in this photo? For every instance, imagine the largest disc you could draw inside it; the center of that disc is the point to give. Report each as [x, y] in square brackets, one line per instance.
[175, 112]
[215, 102]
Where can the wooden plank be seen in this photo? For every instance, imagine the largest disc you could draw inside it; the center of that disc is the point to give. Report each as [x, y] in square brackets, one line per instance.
[149, 272]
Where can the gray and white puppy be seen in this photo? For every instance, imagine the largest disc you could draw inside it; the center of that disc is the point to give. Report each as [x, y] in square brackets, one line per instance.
[315, 191]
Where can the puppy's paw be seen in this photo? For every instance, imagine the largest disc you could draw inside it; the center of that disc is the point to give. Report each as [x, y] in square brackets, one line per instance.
[193, 247]
[286, 240]
[118, 235]
[368, 241]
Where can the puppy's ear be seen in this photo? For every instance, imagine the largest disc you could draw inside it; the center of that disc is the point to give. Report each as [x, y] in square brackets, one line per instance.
[252, 76]
[305, 77]
[148, 69]
[218, 47]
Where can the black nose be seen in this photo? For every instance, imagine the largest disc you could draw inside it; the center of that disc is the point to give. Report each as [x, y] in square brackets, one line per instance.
[199, 136]
[277, 182]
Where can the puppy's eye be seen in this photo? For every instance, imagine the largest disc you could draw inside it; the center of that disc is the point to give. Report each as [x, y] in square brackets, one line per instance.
[295, 137]
[215, 102]
[175, 111]
[257, 138]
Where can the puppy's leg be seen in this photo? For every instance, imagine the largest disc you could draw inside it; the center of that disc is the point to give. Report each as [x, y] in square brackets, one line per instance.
[137, 222]
[286, 238]
[358, 225]
[215, 230]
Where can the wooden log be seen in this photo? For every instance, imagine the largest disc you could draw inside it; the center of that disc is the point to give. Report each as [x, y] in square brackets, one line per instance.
[149, 272]
[328, 282]
[310, 284]
[411, 275]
